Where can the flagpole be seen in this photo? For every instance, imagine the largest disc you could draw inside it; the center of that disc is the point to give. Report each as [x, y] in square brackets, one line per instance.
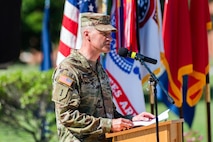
[208, 99]
[151, 98]
[181, 116]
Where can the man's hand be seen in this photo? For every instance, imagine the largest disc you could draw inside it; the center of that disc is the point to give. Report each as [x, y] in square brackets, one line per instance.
[121, 124]
[144, 116]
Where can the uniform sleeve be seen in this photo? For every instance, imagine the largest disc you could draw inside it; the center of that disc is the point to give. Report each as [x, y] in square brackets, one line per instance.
[67, 100]
[119, 115]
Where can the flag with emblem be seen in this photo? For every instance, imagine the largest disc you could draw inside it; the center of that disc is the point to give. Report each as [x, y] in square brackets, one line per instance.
[70, 36]
[124, 73]
[150, 34]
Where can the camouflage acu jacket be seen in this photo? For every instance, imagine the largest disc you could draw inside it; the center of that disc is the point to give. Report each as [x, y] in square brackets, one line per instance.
[83, 100]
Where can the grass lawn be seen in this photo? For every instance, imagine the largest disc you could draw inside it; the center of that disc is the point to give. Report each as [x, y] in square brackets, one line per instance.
[9, 134]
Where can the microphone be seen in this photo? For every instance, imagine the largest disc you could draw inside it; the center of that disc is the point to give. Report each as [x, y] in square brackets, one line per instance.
[126, 53]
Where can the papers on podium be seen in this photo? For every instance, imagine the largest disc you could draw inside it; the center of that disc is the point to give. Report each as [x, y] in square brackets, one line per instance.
[163, 116]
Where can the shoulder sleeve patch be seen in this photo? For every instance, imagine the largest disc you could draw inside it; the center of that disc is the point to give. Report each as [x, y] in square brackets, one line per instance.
[65, 80]
[60, 92]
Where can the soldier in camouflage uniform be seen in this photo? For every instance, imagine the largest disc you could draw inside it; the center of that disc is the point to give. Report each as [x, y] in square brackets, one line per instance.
[81, 89]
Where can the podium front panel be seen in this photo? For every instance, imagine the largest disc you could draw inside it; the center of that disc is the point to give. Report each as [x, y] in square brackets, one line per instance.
[169, 131]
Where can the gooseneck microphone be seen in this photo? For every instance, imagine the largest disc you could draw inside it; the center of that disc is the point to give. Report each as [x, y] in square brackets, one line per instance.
[123, 52]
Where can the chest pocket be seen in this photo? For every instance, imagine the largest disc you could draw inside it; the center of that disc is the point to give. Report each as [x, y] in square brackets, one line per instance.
[90, 81]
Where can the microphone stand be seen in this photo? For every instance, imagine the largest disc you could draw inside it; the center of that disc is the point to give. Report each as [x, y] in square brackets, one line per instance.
[153, 83]
[154, 80]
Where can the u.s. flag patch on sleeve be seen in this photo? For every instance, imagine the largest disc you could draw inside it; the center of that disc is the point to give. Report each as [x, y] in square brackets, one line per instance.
[65, 80]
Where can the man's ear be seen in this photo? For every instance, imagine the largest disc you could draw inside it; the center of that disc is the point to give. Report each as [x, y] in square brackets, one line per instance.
[87, 36]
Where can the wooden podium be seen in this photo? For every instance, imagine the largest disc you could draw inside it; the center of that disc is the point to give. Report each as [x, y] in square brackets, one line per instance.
[169, 131]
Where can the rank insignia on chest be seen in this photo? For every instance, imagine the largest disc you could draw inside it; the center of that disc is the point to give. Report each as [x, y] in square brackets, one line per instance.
[65, 80]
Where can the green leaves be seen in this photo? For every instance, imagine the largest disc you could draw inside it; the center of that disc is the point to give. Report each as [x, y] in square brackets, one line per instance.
[25, 101]
[26, 86]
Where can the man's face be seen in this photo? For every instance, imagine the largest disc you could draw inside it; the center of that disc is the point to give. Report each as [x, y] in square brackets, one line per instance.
[100, 40]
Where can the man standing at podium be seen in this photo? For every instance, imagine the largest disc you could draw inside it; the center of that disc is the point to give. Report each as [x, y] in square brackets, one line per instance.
[81, 90]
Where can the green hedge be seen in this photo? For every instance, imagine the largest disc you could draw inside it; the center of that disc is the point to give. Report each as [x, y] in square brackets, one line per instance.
[25, 101]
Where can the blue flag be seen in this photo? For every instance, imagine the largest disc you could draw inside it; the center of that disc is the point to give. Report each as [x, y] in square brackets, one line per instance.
[46, 43]
[188, 112]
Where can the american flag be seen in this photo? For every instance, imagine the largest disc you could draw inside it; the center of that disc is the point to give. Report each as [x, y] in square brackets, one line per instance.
[65, 80]
[70, 30]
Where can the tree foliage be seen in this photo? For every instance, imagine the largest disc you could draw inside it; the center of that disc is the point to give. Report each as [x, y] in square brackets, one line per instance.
[31, 21]
[25, 102]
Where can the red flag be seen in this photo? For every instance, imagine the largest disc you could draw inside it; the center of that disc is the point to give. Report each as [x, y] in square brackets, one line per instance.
[177, 45]
[200, 22]
[130, 30]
